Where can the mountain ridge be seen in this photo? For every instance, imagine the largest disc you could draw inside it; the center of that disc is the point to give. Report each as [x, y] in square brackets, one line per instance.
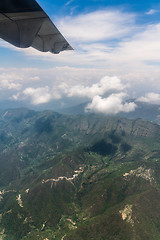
[150, 112]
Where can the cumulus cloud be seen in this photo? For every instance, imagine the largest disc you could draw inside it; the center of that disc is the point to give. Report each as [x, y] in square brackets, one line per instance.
[9, 81]
[40, 95]
[153, 98]
[6, 84]
[15, 81]
[111, 105]
[74, 82]
[15, 96]
[37, 87]
[105, 85]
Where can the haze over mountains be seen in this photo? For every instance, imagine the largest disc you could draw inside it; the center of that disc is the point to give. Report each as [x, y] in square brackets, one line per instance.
[146, 111]
[78, 177]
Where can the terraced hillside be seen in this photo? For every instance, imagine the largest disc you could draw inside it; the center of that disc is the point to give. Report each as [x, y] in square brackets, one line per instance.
[81, 177]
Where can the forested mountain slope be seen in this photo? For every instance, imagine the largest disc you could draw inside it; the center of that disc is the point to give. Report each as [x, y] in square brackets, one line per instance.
[78, 177]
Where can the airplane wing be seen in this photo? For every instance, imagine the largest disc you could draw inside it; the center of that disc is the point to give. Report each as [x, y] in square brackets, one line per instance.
[23, 23]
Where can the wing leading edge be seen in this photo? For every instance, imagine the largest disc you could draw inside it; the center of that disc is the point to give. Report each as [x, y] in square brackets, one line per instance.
[23, 23]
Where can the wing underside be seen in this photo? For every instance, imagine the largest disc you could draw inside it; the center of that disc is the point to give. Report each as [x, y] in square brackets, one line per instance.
[23, 23]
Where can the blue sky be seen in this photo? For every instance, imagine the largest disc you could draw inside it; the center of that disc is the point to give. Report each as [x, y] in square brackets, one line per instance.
[63, 6]
[116, 57]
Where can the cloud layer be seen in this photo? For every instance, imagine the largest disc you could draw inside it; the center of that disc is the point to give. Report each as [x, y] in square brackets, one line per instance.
[97, 26]
[113, 104]
[105, 85]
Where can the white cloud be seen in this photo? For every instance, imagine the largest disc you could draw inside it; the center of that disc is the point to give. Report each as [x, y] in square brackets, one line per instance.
[143, 46]
[69, 2]
[96, 26]
[18, 79]
[73, 9]
[10, 83]
[6, 84]
[80, 82]
[35, 78]
[15, 96]
[111, 105]
[153, 98]
[105, 85]
[39, 95]
[151, 12]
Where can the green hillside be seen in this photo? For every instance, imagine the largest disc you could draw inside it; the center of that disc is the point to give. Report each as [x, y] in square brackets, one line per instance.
[78, 177]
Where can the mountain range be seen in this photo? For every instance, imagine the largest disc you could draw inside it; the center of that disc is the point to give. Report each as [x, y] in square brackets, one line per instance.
[78, 177]
[147, 111]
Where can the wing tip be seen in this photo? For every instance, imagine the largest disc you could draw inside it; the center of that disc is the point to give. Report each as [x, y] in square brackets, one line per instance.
[70, 48]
